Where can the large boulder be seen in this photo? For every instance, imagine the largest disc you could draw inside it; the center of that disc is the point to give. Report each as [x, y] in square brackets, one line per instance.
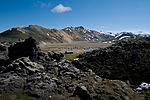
[56, 56]
[82, 93]
[23, 49]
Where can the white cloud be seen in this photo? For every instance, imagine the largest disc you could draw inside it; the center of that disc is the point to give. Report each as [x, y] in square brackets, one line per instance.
[60, 8]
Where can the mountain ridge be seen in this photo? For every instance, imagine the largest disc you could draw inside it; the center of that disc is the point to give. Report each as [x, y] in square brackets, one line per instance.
[42, 34]
[35, 31]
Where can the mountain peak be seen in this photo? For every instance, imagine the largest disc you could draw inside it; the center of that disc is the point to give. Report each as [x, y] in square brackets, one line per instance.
[34, 26]
[81, 27]
[16, 28]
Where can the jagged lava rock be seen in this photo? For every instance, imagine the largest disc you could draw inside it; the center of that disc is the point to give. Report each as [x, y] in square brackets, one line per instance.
[23, 67]
[125, 60]
[82, 92]
[44, 78]
[23, 49]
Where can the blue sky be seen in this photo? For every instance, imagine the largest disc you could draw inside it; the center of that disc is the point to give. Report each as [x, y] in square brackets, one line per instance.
[107, 15]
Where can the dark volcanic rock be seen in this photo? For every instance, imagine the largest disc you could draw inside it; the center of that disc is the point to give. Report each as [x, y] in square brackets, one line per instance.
[23, 49]
[23, 67]
[10, 83]
[126, 60]
[82, 93]
[3, 47]
[3, 54]
[44, 77]
[2, 62]
[41, 86]
[57, 56]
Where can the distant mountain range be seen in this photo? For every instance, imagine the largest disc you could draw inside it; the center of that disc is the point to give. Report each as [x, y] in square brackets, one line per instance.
[129, 35]
[69, 34]
[44, 35]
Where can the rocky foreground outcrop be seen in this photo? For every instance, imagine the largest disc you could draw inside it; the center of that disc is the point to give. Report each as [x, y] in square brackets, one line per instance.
[125, 60]
[35, 75]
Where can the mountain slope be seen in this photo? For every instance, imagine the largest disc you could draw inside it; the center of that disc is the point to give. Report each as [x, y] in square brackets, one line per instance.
[42, 34]
[37, 32]
[82, 34]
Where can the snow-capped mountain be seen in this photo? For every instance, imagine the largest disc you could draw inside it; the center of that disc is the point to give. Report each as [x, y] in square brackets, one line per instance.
[82, 34]
[130, 35]
[142, 34]
[124, 35]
